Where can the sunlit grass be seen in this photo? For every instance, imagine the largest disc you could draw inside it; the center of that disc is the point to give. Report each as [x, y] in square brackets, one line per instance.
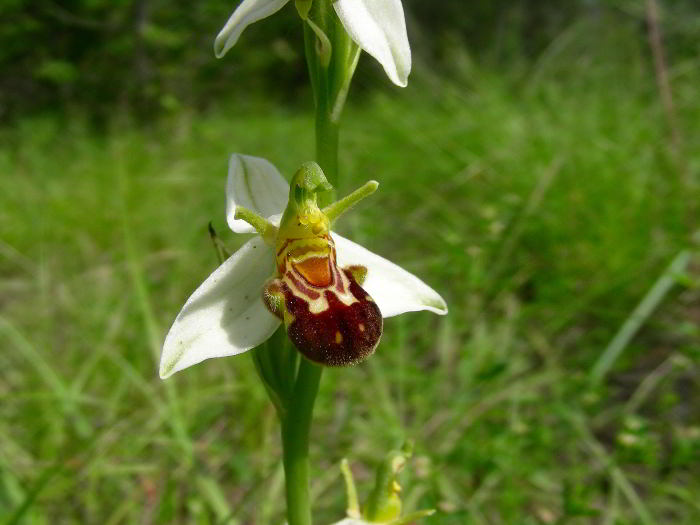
[543, 212]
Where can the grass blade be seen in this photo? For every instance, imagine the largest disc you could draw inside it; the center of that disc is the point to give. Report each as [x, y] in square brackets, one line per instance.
[639, 316]
[45, 477]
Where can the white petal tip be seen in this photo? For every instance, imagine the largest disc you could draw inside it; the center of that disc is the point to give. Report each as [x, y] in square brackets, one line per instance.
[247, 12]
[437, 307]
[379, 28]
[399, 77]
[164, 374]
[225, 316]
[170, 359]
[401, 82]
[219, 49]
[434, 304]
[224, 41]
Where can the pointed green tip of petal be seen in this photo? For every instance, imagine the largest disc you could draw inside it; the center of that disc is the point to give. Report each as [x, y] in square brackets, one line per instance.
[166, 370]
[436, 305]
[167, 364]
[220, 47]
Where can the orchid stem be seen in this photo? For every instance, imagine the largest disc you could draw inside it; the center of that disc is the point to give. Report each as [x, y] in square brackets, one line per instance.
[296, 425]
[320, 72]
[295, 443]
[327, 134]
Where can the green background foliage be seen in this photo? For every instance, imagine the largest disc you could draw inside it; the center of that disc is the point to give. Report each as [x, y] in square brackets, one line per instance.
[147, 57]
[528, 172]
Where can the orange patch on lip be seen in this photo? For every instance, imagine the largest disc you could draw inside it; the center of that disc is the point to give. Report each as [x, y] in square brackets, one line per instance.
[315, 270]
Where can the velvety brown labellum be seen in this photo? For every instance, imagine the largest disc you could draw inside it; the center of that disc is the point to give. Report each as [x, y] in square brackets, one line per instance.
[340, 335]
[328, 316]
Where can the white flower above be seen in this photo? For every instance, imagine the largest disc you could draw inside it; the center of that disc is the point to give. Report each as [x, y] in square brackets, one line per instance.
[231, 311]
[376, 26]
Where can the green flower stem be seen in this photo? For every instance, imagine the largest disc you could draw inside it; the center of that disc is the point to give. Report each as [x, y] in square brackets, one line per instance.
[325, 77]
[327, 134]
[295, 443]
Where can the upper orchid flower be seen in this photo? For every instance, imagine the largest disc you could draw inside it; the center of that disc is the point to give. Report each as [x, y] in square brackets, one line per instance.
[330, 292]
[376, 26]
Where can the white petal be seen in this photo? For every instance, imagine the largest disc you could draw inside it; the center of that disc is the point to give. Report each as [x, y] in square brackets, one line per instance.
[248, 12]
[378, 27]
[256, 184]
[352, 521]
[225, 315]
[394, 289]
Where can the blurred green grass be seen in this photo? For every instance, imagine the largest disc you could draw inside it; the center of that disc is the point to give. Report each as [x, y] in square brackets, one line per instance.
[543, 205]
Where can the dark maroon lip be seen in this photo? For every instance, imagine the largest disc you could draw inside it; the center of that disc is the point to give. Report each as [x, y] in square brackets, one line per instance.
[341, 335]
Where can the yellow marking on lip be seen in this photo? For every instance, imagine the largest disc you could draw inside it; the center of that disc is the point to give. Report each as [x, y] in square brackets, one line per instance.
[361, 326]
[299, 249]
[301, 254]
[338, 337]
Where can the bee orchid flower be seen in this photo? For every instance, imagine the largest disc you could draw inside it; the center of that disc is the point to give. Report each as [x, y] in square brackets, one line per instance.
[376, 26]
[330, 293]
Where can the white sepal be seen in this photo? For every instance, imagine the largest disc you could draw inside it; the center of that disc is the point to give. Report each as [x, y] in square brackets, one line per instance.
[394, 289]
[256, 184]
[248, 12]
[225, 315]
[379, 28]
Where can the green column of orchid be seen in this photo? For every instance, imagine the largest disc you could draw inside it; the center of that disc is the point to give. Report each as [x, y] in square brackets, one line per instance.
[331, 58]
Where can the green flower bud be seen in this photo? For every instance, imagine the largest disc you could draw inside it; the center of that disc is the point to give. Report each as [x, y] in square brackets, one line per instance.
[384, 502]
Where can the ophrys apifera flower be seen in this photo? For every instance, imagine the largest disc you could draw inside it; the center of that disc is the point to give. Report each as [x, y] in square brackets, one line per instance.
[331, 293]
[376, 26]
